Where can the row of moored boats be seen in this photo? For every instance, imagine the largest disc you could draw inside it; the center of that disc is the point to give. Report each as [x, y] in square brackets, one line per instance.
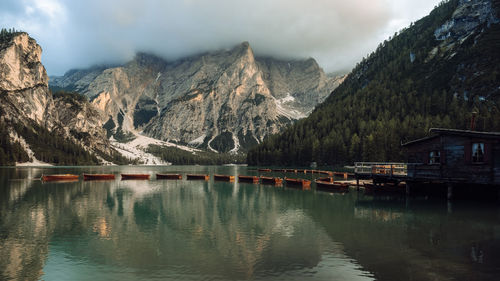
[324, 182]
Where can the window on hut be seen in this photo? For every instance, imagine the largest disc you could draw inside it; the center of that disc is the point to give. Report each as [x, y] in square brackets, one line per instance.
[478, 152]
[434, 157]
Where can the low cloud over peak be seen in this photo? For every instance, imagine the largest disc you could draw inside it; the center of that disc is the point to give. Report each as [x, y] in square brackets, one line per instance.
[337, 33]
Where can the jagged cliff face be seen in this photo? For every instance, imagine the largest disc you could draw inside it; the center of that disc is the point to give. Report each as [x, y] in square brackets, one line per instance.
[23, 82]
[82, 121]
[223, 101]
[25, 98]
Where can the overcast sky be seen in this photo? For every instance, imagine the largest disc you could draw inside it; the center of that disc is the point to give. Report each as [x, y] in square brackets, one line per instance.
[337, 33]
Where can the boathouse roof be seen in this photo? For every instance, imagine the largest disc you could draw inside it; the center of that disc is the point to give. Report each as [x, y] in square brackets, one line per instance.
[463, 133]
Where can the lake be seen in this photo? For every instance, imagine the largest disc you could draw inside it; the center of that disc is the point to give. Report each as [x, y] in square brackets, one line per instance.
[206, 230]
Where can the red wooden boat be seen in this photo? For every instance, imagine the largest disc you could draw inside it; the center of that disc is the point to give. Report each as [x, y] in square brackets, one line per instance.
[168, 176]
[60, 177]
[252, 179]
[223, 178]
[291, 170]
[271, 180]
[298, 182]
[333, 186]
[197, 177]
[264, 170]
[135, 176]
[279, 170]
[89, 177]
[327, 179]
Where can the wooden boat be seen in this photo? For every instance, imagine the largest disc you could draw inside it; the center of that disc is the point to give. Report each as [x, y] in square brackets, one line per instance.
[252, 179]
[197, 177]
[135, 176]
[291, 170]
[90, 177]
[333, 186]
[327, 179]
[168, 176]
[298, 182]
[60, 177]
[271, 180]
[223, 178]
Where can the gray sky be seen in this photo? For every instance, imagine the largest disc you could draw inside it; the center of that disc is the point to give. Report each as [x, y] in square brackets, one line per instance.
[337, 33]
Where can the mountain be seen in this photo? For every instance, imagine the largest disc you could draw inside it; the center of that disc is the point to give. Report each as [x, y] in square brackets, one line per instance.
[434, 73]
[223, 101]
[36, 125]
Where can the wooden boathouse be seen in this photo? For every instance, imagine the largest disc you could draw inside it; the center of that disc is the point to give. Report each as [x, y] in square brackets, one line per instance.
[455, 156]
[448, 156]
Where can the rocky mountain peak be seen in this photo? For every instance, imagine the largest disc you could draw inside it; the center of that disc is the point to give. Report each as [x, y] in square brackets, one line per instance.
[21, 65]
[142, 59]
[244, 50]
[26, 102]
[225, 100]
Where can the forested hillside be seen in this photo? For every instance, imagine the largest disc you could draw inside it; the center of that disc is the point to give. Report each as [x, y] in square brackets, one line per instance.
[412, 82]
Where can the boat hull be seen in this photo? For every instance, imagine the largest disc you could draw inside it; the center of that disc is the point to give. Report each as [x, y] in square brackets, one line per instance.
[332, 186]
[223, 178]
[250, 179]
[60, 177]
[197, 177]
[135, 176]
[306, 184]
[271, 180]
[168, 176]
[89, 177]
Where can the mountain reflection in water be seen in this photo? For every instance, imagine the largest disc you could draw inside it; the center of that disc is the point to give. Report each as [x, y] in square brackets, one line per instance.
[185, 230]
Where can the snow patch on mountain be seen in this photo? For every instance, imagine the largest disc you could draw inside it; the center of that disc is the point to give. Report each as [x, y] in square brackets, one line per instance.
[283, 107]
[136, 149]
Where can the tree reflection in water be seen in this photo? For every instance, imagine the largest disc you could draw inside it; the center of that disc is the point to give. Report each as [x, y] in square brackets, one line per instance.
[192, 229]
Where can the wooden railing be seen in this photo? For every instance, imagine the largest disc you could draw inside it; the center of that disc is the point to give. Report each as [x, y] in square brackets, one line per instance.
[381, 169]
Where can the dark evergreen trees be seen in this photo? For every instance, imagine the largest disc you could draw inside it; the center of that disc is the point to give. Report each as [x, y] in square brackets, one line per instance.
[178, 156]
[396, 95]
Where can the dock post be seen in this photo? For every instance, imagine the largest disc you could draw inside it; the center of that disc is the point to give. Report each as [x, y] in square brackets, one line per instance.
[357, 183]
[450, 191]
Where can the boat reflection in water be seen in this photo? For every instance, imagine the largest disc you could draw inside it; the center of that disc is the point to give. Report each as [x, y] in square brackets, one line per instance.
[110, 230]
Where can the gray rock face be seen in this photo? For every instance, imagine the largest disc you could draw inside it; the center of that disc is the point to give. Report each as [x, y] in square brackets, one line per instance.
[76, 80]
[468, 16]
[25, 97]
[81, 121]
[223, 101]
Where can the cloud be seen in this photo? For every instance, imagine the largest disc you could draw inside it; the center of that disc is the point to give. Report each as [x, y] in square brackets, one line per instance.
[337, 33]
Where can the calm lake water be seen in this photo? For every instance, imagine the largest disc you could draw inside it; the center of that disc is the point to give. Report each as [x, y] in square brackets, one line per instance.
[197, 230]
